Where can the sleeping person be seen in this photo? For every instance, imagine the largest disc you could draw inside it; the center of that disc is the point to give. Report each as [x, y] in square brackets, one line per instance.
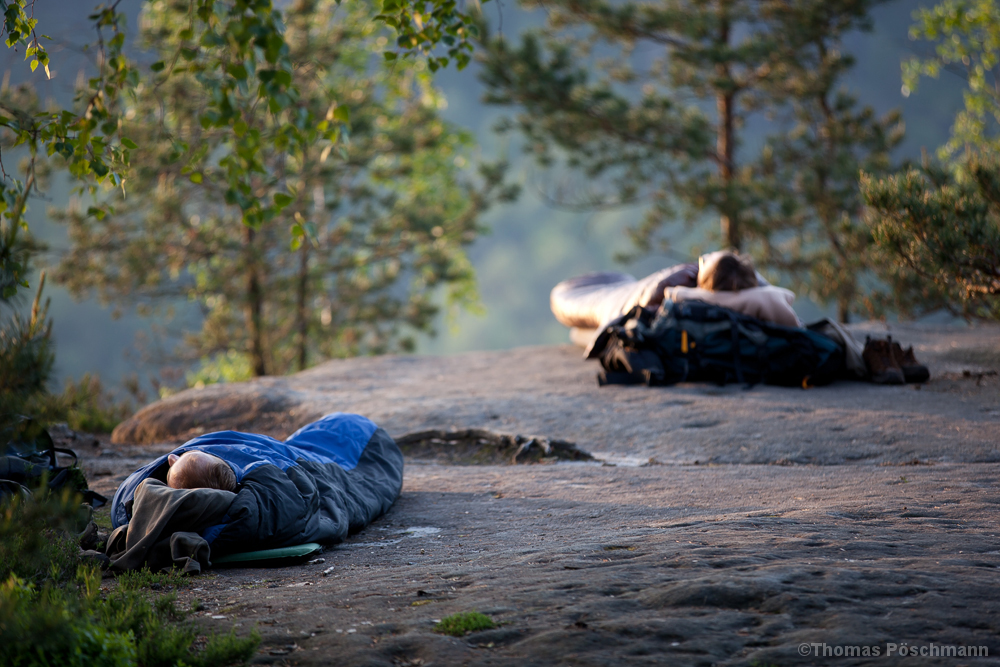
[728, 279]
[587, 304]
[229, 491]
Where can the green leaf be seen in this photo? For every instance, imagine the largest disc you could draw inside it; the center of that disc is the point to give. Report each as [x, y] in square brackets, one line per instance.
[281, 200]
[196, 177]
[128, 143]
[158, 66]
[237, 71]
[343, 114]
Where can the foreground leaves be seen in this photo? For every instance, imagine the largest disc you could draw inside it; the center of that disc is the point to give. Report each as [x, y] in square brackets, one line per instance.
[54, 610]
[233, 49]
[939, 233]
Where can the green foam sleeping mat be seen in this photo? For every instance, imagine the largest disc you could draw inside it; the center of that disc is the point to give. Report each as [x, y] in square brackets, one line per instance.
[282, 557]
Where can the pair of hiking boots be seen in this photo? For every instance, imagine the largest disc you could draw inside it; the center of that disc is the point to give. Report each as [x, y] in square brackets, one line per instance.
[889, 363]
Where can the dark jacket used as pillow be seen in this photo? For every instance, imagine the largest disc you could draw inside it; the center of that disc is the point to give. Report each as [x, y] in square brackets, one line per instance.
[159, 535]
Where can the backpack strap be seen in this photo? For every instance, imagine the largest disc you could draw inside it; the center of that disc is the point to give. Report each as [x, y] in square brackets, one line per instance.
[52, 452]
[94, 499]
[10, 488]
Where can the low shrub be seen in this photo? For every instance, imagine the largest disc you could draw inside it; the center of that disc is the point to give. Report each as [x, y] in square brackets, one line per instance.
[35, 546]
[26, 358]
[146, 579]
[231, 366]
[84, 406]
[53, 611]
[49, 626]
[78, 626]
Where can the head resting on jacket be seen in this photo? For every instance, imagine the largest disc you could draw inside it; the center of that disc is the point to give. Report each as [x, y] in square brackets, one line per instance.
[198, 470]
[725, 271]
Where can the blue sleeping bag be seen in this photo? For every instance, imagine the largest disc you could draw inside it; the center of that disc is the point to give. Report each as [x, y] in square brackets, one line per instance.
[328, 479]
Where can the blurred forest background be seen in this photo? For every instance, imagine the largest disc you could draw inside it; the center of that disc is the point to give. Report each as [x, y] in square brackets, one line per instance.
[530, 245]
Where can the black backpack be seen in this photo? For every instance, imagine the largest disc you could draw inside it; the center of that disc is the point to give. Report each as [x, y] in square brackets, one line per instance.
[27, 465]
[696, 341]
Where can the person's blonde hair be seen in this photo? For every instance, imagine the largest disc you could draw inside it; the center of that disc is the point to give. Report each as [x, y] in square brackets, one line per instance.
[726, 271]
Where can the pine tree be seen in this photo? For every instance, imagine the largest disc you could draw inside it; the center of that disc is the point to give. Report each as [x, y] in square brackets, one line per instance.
[667, 122]
[966, 37]
[937, 232]
[811, 226]
[668, 131]
[385, 215]
[937, 229]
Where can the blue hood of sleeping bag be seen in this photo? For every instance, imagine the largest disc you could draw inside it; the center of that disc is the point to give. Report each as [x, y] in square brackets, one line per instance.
[341, 455]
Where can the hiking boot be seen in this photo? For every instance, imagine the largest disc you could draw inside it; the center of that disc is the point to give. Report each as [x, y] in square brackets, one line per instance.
[913, 371]
[882, 366]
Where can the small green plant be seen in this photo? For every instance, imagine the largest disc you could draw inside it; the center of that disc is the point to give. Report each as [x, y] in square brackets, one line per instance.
[49, 625]
[162, 638]
[26, 358]
[459, 625]
[34, 542]
[231, 366]
[102, 517]
[84, 405]
[145, 579]
[53, 610]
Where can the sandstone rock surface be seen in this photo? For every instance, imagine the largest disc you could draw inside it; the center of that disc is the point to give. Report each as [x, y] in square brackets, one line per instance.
[550, 391]
[724, 527]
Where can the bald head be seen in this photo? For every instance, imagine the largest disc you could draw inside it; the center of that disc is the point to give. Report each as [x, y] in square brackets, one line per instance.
[198, 470]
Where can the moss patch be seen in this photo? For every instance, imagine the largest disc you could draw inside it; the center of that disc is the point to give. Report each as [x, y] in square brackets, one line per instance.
[459, 625]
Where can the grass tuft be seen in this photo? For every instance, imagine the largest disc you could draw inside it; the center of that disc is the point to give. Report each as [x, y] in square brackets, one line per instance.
[145, 579]
[459, 625]
[53, 610]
